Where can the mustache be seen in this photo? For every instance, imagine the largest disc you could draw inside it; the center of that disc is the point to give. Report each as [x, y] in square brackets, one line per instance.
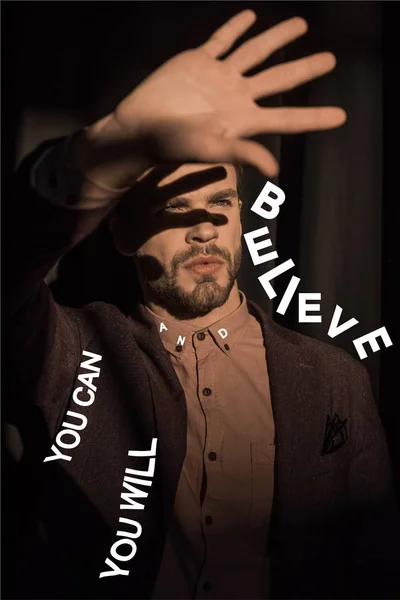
[195, 251]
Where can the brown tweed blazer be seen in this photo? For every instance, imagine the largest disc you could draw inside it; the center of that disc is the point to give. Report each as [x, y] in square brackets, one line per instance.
[335, 523]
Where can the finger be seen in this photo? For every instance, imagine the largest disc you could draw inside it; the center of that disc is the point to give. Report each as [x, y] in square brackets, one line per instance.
[293, 120]
[154, 175]
[224, 38]
[191, 182]
[255, 155]
[156, 192]
[216, 149]
[260, 47]
[283, 78]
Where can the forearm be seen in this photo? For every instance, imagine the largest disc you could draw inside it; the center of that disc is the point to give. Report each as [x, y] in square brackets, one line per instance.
[40, 230]
[60, 194]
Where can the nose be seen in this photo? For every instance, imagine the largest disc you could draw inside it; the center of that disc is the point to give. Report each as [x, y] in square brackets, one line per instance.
[203, 231]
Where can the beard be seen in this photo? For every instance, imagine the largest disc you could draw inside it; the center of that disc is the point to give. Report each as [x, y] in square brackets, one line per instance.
[207, 293]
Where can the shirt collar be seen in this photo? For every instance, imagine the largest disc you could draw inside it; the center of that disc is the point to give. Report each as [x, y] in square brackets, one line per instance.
[176, 336]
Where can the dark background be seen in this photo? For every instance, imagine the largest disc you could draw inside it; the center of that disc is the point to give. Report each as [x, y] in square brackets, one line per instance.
[65, 64]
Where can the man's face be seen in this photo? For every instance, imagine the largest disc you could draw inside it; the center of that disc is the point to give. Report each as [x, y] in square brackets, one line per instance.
[188, 246]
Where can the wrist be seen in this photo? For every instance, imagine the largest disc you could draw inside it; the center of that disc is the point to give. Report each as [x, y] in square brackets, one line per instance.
[109, 160]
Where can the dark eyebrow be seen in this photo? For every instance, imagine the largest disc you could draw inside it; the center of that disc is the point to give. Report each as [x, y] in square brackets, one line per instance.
[227, 194]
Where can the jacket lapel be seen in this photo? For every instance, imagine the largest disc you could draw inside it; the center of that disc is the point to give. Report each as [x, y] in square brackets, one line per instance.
[294, 383]
[169, 406]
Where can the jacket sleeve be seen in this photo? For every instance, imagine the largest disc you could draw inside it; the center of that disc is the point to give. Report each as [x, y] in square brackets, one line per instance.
[375, 518]
[41, 341]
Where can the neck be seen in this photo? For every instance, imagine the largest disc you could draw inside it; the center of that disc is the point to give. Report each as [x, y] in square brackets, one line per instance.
[214, 315]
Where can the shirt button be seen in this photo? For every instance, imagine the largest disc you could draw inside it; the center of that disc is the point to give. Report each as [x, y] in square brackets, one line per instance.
[201, 336]
[212, 456]
[209, 520]
[226, 346]
[179, 348]
[207, 586]
[207, 392]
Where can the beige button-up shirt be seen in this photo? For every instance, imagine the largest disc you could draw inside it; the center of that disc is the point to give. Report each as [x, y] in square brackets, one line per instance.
[217, 543]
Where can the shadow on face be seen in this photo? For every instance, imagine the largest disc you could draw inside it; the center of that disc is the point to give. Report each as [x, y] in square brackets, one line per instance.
[133, 222]
[174, 215]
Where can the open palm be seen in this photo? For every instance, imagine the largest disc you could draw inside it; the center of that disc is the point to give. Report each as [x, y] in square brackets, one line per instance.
[197, 107]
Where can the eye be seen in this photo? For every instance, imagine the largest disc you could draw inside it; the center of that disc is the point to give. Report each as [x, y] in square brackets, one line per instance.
[171, 208]
[224, 202]
[179, 207]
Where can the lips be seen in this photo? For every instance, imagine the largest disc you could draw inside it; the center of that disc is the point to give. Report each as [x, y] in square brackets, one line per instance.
[204, 260]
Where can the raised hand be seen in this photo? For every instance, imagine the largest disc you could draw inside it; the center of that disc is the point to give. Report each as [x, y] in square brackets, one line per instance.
[197, 107]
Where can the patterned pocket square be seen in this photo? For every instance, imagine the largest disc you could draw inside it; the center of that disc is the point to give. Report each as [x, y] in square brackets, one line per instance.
[335, 434]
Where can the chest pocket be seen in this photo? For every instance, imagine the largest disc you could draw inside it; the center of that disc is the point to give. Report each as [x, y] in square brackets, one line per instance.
[262, 483]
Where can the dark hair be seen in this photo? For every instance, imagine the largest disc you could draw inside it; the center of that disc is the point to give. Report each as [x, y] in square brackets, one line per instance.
[123, 206]
[239, 178]
[113, 278]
